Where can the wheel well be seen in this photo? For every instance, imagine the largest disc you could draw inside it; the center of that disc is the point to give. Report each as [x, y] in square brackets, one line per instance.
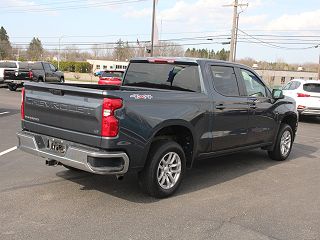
[40, 78]
[181, 135]
[291, 120]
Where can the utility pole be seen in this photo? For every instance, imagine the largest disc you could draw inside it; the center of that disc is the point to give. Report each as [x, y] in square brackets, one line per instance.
[153, 23]
[59, 54]
[235, 22]
[317, 46]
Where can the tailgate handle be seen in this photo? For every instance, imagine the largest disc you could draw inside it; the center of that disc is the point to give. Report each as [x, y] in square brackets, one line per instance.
[56, 92]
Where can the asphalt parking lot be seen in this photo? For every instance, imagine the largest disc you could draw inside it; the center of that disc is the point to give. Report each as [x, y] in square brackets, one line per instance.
[242, 196]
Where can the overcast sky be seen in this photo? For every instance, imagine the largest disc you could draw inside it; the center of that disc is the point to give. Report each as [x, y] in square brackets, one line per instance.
[270, 29]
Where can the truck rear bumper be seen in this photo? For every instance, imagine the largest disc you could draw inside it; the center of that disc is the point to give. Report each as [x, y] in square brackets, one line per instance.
[75, 155]
[8, 81]
[309, 111]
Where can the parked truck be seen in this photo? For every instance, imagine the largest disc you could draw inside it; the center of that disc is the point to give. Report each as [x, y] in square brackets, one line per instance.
[36, 72]
[167, 114]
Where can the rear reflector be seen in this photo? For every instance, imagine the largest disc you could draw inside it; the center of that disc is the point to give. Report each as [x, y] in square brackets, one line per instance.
[302, 95]
[301, 107]
[110, 124]
[22, 103]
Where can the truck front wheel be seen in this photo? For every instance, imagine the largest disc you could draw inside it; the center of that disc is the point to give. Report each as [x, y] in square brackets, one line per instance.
[164, 170]
[283, 144]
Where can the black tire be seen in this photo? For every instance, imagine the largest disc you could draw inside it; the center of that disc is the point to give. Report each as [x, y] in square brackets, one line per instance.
[148, 177]
[40, 79]
[276, 153]
[12, 87]
[62, 79]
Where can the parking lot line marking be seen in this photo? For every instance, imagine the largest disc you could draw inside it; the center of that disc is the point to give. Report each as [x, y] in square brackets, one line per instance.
[8, 150]
[3, 113]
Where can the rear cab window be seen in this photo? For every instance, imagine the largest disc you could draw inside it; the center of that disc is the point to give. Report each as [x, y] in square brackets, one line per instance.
[112, 74]
[8, 65]
[181, 76]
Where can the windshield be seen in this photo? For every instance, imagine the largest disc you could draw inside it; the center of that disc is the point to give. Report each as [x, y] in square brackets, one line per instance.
[181, 77]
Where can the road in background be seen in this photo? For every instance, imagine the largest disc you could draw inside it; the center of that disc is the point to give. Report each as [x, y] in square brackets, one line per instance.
[242, 196]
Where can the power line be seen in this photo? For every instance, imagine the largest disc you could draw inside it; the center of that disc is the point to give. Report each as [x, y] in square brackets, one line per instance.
[274, 45]
[110, 3]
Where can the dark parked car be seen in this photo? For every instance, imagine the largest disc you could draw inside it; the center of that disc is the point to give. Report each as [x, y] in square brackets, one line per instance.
[37, 72]
[166, 114]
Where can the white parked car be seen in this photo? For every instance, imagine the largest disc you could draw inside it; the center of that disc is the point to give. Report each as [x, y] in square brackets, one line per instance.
[4, 64]
[306, 93]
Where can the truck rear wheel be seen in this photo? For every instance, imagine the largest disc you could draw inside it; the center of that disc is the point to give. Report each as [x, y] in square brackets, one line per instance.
[283, 144]
[164, 170]
[12, 87]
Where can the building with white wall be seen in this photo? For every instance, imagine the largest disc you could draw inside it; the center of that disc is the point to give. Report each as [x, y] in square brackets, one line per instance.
[280, 78]
[99, 65]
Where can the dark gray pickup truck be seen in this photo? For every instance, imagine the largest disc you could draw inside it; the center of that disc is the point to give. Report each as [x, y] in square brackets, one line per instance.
[36, 72]
[167, 114]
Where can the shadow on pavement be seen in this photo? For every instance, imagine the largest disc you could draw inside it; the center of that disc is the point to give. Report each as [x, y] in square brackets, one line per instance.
[205, 173]
[309, 119]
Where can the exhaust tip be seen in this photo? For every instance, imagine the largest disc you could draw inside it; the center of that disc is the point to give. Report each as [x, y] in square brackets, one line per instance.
[119, 177]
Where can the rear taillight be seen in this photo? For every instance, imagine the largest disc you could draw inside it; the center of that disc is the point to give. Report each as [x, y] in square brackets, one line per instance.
[110, 124]
[302, 95]
[22, 103]
[30, 75]
[161, 60]
[301, 107]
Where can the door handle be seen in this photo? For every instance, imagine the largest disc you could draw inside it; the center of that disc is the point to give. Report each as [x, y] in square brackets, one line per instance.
[220, 106]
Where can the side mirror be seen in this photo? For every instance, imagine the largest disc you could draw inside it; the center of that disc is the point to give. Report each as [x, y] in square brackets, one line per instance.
[277, 94]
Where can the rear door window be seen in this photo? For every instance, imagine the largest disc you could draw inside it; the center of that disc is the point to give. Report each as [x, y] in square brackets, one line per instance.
[25, 65]
[224, 80]
[312, 87]
[37, 66]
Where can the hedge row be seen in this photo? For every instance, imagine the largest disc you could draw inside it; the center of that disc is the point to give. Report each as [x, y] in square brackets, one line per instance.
[81, 67]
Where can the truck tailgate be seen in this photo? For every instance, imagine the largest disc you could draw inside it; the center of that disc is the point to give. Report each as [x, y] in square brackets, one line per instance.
[16, 75]
[62, 111]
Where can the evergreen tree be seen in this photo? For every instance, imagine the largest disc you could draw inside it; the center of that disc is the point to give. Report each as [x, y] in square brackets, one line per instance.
[35, 50]
[5, 45]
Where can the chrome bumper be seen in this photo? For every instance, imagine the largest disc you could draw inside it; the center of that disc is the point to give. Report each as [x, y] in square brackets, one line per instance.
[76, 155]
[14, 81]
[310, 111]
